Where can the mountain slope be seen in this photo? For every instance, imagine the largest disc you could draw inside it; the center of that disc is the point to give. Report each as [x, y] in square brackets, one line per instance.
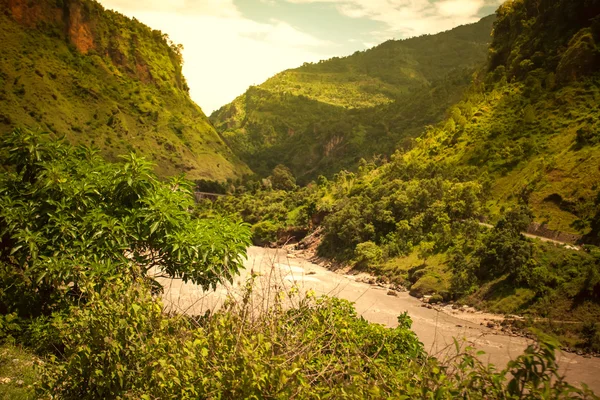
[533, 122]
[322, 117]
[522, 149]
[101, 79]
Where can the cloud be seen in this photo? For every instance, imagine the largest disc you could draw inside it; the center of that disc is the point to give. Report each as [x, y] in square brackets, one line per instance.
[406, 18]
[220, 8]
[224, 53]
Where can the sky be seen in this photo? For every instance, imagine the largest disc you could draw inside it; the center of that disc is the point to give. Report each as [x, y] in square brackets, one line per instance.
[230, 45]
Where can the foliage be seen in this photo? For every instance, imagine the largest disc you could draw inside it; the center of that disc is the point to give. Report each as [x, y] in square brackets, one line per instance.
[556, 35]
[209, 186]
[323, 117]
[103, 79]
[282, 178]
[122, 345]
[399, 206]
[367, 254]
[505, 250]
[265, 232]
[268, 211]
[69, 217]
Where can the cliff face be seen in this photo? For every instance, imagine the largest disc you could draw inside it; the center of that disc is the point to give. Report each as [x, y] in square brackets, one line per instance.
[91, 29]
[102, 79]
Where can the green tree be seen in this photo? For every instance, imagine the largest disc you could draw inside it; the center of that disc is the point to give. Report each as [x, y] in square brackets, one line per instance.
[505, 250]
[67, 217]
[282, 178]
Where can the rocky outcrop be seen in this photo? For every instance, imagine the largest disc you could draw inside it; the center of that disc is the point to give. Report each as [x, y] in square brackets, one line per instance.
[92, 30]
[78, 26]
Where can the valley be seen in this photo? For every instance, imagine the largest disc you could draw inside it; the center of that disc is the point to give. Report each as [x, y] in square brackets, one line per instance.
[357, 227]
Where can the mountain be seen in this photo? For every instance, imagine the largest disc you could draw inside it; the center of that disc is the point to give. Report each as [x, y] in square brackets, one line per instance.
[532, 122]
[320, 118]
[520, 149]
[73, 68]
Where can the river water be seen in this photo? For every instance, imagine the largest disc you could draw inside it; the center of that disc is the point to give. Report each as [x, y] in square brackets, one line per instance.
[436, 329]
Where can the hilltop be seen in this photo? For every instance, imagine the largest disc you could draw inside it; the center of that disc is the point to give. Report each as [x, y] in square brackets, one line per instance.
[102, 79]
[320, 118]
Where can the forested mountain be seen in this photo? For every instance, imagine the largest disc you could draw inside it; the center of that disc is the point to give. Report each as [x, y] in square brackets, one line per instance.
[102, 79]
[521, 149]
[320, 118]
[532, 122]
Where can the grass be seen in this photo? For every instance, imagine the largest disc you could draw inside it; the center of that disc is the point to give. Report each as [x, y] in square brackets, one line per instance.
[17, 372]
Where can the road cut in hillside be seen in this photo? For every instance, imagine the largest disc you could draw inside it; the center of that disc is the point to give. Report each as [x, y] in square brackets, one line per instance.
[435, 328]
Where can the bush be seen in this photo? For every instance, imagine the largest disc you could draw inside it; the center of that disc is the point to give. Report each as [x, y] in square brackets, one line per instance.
[368, 254]
[265, 232]
[67, 217]
[121, 344]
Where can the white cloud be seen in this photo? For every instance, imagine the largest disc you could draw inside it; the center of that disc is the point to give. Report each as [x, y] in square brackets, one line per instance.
[223, 8]
[408, 18]
[224, 53]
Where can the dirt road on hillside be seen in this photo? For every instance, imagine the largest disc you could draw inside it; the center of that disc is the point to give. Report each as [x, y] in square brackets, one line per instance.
[435, 329]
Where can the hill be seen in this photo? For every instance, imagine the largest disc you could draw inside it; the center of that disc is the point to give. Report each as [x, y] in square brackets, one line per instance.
[74, 68]
[532, 122]
[320, 118]
[521, 150]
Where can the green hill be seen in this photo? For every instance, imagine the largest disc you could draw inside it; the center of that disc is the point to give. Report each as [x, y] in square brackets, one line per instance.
[102, 79]
[521, 149]
[532, 123]
[320, 118]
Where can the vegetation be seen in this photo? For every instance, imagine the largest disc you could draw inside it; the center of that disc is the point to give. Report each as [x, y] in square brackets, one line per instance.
[518, 148]
[17, 373]
[317, 348]
[105, 80]
[82, 239]
[78, 238]
[323, 117]
[69, 218]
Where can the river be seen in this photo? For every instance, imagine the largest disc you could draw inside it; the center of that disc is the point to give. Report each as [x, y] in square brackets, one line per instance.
[436, 329]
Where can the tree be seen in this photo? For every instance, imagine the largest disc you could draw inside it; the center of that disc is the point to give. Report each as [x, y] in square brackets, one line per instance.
[67, 216]
[282, 178]
[505, 250]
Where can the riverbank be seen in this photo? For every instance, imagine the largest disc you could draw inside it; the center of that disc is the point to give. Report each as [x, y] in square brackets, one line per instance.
[437, 329]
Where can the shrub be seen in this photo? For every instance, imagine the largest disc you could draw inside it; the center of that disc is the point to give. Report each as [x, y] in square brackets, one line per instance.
[121, 344]
[265, 232]
[368, 254]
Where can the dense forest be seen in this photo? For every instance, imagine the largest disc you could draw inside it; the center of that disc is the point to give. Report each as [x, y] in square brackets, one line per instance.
[474, 153]
[104, 80]
[322, 117]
